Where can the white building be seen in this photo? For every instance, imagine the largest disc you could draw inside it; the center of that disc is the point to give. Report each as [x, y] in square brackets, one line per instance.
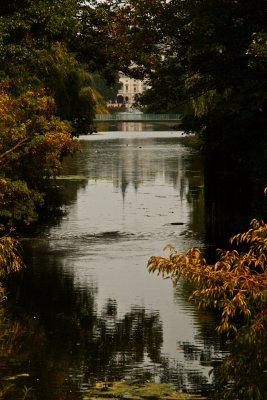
[129, 89]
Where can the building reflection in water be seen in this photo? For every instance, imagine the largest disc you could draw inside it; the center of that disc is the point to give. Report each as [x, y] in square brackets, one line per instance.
[85, 308]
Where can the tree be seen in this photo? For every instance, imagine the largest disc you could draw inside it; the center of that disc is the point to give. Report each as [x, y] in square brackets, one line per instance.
[41, 46]
[32, 143]
[210, 54]
[166, 89]
[235, 287]
[108, 92]
[42, 83]
[225, 89]
[71, 85]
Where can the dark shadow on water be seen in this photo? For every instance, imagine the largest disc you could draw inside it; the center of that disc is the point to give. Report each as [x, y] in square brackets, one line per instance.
[234, 195]
[54, 329]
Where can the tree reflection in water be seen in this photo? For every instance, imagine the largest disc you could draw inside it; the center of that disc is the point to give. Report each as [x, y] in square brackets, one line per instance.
[65, 339]
[56, 336]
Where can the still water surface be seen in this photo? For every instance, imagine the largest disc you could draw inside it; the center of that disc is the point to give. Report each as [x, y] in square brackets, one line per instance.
[88, 308]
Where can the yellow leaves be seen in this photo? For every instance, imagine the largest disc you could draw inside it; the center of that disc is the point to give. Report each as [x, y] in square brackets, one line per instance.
[3, 104]
[236, 284]
[29, 130]
[170, 247]
[10, 260]
[33, 143]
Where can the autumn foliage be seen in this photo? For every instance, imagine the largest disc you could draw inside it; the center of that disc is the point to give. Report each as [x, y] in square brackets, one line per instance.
[236, 287]
[33, 143]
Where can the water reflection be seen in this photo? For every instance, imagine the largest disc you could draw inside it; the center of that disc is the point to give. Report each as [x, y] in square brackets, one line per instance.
[234, 192]
[86, 307]
[135, 126]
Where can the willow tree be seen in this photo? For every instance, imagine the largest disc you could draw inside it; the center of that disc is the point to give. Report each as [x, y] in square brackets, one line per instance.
[41, 46]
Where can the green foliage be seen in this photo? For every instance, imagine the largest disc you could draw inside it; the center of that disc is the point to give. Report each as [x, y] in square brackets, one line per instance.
[235, 286]
[26, 392]
[70, 84]
[32, 144]
[165, 92]
[222, 83]
[39, 47]
[17, 201]
[36, 43]
[108, 92]
[207, 58]
[26, 26]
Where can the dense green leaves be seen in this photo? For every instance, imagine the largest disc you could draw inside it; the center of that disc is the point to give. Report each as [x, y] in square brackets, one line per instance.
[41, 45]
[206, 57]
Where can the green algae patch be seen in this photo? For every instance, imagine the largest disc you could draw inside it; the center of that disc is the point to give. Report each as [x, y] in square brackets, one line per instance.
[72, 178]
[134, 391]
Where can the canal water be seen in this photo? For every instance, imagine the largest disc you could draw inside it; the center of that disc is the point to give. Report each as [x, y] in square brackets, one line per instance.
[86, 309]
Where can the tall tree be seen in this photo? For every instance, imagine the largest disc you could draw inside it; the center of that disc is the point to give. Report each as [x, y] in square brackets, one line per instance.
[39, 48]
[41, 80]
[212, 52]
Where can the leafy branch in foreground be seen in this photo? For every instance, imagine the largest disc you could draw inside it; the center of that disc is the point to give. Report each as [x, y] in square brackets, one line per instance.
[235, 286]
[10, 259]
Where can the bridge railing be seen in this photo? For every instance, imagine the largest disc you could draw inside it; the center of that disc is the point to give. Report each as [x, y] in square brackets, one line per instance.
[137, 117]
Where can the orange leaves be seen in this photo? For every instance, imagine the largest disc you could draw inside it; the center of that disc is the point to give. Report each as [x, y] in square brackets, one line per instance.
[236, 284]
[29, 129]
[10, 260]
[33, 143]
[52, 147]
[3, 104]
